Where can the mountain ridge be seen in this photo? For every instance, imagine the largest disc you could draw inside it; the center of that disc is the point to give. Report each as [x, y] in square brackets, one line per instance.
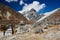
[48, 14]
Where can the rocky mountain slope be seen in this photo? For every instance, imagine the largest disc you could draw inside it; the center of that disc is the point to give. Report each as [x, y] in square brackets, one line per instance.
[50, 18]
[7, 14]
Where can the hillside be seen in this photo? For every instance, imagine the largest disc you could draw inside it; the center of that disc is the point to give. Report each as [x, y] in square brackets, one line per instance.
[54, 18]
[7, 14]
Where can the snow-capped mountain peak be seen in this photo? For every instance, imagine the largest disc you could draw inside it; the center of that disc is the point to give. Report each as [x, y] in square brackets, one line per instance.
[32, 15]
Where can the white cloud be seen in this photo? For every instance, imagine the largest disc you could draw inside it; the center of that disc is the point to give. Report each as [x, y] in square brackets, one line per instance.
[21, 2]
[11, 0]
[35, 5]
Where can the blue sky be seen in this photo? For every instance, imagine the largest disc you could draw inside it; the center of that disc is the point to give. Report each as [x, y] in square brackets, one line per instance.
[49, 4]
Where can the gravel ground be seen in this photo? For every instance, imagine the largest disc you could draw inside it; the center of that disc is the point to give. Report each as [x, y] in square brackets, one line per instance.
[53, 34]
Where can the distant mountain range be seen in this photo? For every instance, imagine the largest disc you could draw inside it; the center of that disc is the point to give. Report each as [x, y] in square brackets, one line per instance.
[7, 14]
